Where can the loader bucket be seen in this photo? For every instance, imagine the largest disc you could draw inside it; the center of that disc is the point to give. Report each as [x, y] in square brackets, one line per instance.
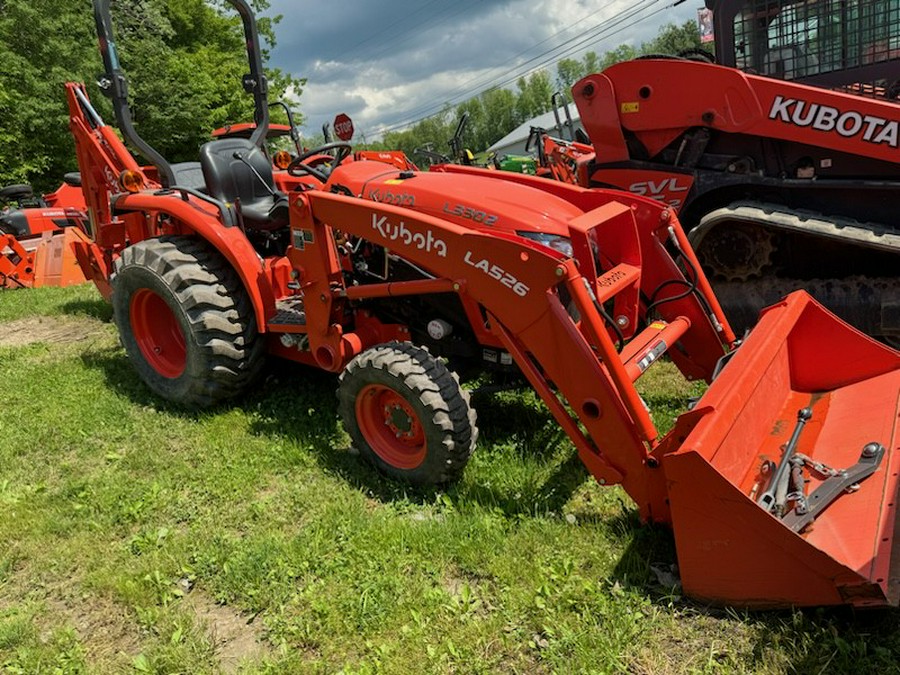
[732, 549]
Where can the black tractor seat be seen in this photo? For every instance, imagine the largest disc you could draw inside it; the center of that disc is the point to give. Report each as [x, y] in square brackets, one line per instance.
[189, 175]
[227, 172]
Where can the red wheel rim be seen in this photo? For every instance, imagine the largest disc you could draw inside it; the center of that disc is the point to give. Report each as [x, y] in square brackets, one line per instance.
[157, 333]
[390, 426]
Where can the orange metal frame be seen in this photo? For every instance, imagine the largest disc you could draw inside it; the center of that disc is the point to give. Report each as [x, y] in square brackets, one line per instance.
[700, 476]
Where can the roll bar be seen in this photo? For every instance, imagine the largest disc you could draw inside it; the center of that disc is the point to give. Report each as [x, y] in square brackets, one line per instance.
[114, 84]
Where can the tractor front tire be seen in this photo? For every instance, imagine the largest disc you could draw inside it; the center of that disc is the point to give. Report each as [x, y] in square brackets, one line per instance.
[185, 321]
[407, 414]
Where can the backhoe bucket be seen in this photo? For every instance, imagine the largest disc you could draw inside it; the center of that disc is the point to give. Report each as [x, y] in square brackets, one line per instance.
[42, 260]
[55, 263]
[735, 545]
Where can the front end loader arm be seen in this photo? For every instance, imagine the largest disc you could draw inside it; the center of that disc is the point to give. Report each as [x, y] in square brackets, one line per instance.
[705, 476]
[567, 347]
[659, 235]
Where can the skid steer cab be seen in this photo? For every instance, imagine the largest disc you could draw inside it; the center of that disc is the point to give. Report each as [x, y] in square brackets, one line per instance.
[780, 484]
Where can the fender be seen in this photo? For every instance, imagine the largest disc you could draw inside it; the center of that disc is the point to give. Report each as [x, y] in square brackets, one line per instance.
[229, 241]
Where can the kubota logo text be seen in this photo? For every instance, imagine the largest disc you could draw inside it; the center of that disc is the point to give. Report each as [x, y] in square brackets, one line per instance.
[424, 242]
[848, 124]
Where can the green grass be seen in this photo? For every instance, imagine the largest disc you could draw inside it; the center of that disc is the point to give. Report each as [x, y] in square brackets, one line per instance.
[135, 537]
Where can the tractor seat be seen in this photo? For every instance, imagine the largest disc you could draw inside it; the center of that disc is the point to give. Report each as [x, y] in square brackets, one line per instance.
[189, 175]
[229, 179]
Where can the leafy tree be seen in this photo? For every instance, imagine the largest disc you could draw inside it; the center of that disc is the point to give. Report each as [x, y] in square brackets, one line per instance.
[568, 72]
[534, 95]
[591, 63]
[674, 39]
[620, 53]
[184, 59]
[500, 115]
[42, 44]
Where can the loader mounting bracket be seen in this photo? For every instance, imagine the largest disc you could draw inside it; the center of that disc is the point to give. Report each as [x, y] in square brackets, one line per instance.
[833, 487]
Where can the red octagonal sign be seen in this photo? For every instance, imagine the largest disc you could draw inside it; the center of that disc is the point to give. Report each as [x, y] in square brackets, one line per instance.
[343, 127]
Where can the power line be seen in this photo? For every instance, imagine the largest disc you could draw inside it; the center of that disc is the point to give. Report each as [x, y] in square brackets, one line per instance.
[437, 19]
[462, 87]
[355, 48]
[594, 34]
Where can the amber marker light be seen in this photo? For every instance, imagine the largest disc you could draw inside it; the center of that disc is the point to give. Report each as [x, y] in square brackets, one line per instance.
[282, 159]
[131, 181]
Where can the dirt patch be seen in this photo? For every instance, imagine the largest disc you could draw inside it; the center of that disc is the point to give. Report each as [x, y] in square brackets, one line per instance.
[236, 638]
[697, 642]
[106, 629]
[50, 330]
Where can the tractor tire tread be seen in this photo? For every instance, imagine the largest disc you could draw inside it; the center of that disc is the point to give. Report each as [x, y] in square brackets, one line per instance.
[439, 394]
[226, 352]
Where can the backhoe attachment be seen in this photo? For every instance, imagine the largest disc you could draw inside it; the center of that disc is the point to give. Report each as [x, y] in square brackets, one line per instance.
[47, 259]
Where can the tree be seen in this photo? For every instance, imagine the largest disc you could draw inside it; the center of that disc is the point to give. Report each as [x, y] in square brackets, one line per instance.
[42, 44]
[500, 115]
[534, 95]
[591, 63]
[184, 59]
[674, 39]
[617, 55]
[568, 72]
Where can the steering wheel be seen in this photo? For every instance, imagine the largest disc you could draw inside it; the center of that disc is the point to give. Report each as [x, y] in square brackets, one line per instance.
[298, 168]
[432, 156]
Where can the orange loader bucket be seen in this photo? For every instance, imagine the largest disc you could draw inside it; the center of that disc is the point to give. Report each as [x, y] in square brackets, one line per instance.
[831, 538]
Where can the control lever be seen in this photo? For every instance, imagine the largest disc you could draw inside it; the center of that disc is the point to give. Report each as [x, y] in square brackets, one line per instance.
[243, 160]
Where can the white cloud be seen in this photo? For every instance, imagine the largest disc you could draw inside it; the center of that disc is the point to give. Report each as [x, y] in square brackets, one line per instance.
[385, 63]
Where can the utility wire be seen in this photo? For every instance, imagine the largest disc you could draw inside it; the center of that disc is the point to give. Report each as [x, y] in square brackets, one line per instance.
[594, 34]
[356, 47]
[437, 19]
[463, 87]
[518, 70]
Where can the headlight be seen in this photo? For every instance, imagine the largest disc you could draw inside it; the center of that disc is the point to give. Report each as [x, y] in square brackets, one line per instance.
[554, 241]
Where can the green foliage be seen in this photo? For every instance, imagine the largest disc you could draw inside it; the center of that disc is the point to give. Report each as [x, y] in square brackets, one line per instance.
[184, 59]
[496, 112]
[534, 95]
[140, 538]
[674, 39]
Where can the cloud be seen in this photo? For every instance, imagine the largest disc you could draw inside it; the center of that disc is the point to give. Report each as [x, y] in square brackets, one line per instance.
[390, 63]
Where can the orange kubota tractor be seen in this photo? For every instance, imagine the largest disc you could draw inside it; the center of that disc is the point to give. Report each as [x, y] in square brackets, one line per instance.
[780, 184]
[36, 235]
[781, 483]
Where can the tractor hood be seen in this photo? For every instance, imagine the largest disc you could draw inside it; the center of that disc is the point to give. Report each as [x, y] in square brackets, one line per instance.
[469, 201]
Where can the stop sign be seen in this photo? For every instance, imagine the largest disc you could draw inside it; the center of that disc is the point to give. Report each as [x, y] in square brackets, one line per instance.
[343, 127]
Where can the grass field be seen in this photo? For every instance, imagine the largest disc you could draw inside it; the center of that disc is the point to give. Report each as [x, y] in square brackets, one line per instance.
[135, 537]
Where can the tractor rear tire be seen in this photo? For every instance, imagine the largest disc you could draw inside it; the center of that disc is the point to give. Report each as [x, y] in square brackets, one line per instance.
[185, 321]
[407, 414]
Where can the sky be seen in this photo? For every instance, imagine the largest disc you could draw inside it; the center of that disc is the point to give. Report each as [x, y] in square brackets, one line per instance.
[391, 63]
